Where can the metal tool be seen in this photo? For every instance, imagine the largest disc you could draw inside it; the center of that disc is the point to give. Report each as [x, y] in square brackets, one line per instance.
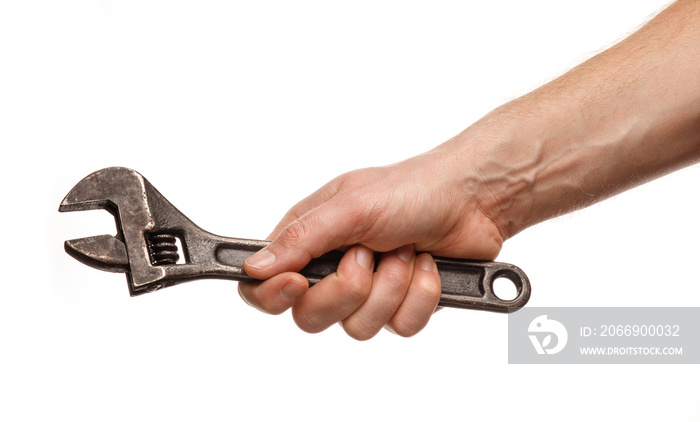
[149, 229]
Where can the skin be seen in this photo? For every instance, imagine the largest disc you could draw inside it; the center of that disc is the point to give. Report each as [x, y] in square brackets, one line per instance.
[626, 116]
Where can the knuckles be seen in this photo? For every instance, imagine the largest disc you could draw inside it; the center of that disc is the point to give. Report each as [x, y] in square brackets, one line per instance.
[291, 235]
[430, 290]
[356, 289]
[403, 330]
[359, 333]
[309, 322]
[254, 298]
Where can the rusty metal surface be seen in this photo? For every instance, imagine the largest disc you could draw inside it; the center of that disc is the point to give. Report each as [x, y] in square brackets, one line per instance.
[149, 229]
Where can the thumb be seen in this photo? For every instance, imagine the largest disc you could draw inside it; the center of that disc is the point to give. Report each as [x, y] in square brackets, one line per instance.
[320, 230]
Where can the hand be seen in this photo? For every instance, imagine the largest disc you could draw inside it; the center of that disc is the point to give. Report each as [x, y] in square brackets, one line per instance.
[623, 117]
[420, 204]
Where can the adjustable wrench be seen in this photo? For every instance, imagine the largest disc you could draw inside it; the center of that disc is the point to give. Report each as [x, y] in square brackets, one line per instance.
[149, 229]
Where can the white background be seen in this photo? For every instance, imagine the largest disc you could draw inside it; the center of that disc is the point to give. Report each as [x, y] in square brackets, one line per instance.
[235, 111]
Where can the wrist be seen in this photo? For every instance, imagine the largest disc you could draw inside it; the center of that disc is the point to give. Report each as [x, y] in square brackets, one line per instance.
[529, 161]
[504, 157]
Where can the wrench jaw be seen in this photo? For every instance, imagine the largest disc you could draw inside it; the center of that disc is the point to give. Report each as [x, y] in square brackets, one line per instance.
[104, 252]
[125, 194]
[107, 253]
[148, 225]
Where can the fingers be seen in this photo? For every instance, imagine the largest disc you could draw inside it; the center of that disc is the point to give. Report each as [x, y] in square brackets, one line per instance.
[405, 293]
[401, 295]
[389, 287]
[320, 230]
[421, 299]
[275, 295]
[337, 296]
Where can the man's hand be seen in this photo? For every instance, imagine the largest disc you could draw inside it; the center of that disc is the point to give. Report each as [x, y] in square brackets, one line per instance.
[628, 115]
[414, 205]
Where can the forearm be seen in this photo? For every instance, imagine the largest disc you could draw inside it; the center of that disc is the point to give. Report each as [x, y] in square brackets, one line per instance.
[628, 115]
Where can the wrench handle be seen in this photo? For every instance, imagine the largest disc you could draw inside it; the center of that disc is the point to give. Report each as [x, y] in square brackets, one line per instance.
[466, 284]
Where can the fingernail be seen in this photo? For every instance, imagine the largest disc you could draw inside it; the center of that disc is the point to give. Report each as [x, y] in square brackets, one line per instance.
[405, 253]
[426, 263]
[261, 259]
[364, 257]
[292, 290]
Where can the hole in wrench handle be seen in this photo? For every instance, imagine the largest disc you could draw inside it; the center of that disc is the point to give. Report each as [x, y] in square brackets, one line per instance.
[466, 284]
